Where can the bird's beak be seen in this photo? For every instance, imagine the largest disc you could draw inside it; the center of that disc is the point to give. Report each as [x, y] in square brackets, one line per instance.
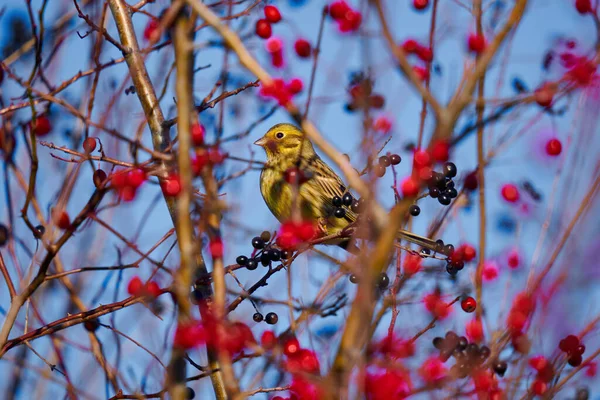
[261, 142]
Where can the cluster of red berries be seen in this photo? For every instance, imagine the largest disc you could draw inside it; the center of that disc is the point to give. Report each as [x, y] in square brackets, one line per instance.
[388, 384]
[436, 305]
[360, 90]
[297, 361]
[264, 252]
[42, 125]
[293, 234]
[384, 162]
[424, 53]
[574, 349]
[582, 71]
[263, 26]
[458, 257]
[207, 156]
[281, 91]
[126, 183]
[189, 334]
[545, 374]
[423, 172]
[347, 18]
[391, 347]
[136, 287]
[520, 311]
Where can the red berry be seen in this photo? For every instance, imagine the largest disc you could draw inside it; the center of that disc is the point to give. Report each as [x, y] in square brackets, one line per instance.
[61, 219]
[295, 86]
[136, 177]
[134, 286]
[268, 340]
[274, 46]
[421, 159]
[272, 14]
[197, 134]
[476, 43]
[513, 259]
[216, 248]
[42, 126]
[510, 193]
[412, 264]
[420, 4]
[469, 253]
[539, 387]
[538, 363]
[303, 48]
[409, 187]
[151, 31]
[127, 193]
[263, 28]
[553, 147]
[440, 151]
[474, 330]
[171, 186]
[468, 304]
[291, 347]
[575, 360]
[422, 73]
[89, 145]
[153, 289]
[425, 54]
[382, 124]
[410, 46]
[584, 6]
[544, 95]
[189, 335]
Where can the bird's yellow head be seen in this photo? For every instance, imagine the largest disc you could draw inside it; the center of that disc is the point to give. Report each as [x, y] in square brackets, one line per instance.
[285, 142]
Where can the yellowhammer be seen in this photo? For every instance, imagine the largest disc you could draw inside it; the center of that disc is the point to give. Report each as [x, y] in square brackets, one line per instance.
[320, 194]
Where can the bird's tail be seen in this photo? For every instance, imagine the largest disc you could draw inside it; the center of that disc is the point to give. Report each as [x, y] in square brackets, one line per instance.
[418, 240]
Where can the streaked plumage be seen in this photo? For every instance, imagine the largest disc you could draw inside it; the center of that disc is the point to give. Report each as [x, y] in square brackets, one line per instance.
[287, 147]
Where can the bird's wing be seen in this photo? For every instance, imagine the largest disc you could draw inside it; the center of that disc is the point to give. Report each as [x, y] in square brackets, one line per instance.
[327, 182]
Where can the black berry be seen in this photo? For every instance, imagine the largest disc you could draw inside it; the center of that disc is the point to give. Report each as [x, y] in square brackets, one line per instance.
[353, 278]
[484, 352]
[286, 254]
[462, 343]
[265, 258]
[271, 318]
[450, 170]
[444, 199]
[39, 231]
[241, 260]
[395, 159]
[384, 161]
[275, 255]
[383, 281]
[438, 342]
[189, 393]
[91, 325]
[258, 243]
[257, 317]
[451, 270]
[452, 193]
[448, 249]
[4, 235]
[439, 246]
[337, 201]
[379, 170]
[339, 213]
[434, 192]
[414, 210]
[500, 367]
[347, 200]
[251, 264]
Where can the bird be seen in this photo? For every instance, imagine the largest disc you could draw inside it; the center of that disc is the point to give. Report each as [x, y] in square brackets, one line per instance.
[288, 149]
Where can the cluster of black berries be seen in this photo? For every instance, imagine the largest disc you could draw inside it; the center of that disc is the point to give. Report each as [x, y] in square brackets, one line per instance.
[267, 253]
[271, 318]
[382, 282]
[338, 202]
[467, 355]
[574, 349]
[454, 262]
[384, 162]
[441, 185]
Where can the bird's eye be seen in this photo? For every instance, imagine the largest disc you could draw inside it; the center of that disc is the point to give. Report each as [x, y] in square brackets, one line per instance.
[279, 135]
